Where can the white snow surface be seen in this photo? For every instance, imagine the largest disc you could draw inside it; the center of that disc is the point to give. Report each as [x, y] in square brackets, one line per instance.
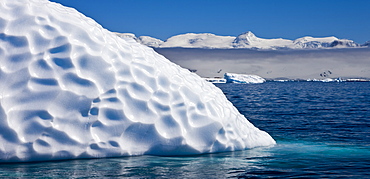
[245, 40]
[324, 42]
[243, 78]
[249, 40]
[71, 89]
[150, 41]
[192, 40]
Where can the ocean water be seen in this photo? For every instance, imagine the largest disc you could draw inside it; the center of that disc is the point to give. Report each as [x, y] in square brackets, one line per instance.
[322, 131]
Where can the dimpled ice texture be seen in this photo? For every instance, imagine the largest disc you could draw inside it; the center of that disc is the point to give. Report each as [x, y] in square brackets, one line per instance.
[71, 89]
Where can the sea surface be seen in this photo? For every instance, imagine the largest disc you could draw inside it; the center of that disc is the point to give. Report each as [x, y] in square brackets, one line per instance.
[322, 131]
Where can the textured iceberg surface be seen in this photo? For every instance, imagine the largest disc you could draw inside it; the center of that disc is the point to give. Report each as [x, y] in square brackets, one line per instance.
[243, 78]
[71, 89]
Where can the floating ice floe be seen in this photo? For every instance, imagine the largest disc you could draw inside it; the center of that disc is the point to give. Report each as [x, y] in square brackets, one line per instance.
[326, 80]
[216, 80]
[71, 89]
[243, 78]
[357, 80]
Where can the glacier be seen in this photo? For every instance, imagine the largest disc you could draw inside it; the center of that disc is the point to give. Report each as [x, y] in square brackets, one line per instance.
[71, 89]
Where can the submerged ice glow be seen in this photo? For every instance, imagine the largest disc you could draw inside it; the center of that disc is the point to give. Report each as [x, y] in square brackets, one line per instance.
[71, 89]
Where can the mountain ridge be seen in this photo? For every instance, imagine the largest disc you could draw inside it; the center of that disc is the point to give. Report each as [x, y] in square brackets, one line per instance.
[246, 40]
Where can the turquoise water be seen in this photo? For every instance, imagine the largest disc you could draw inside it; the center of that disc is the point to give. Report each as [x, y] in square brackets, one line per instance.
[322, 131]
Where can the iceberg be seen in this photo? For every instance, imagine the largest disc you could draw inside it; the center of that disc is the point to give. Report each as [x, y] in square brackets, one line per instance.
[71, 89]
[216, 80]
[243, 78]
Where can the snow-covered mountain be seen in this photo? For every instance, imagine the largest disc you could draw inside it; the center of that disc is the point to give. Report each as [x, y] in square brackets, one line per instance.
[367, 43]
[325, 42]
[204, 40]
[244, 40]
[150, 41]
[145, 40]
[249, 40]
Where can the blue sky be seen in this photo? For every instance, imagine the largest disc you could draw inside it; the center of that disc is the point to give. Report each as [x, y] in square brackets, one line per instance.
[289, 19]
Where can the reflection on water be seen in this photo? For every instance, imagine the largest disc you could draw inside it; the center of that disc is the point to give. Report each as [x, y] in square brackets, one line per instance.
[309, 159]
[220, 165]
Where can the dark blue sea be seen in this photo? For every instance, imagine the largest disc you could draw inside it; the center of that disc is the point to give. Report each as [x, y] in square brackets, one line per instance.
[322, 131]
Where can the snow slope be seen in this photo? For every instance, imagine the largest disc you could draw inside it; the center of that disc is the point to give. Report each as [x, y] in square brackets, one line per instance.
[192, 40]
[245, 40]
[71, 89]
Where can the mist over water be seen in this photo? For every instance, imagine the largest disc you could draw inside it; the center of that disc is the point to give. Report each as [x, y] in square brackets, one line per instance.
[322, 130]
[272, 64]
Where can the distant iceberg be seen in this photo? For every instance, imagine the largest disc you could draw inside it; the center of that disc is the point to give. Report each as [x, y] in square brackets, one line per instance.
[243, 78]
[71, 89]
[216, 80]
[357, 80]
[326, 80]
